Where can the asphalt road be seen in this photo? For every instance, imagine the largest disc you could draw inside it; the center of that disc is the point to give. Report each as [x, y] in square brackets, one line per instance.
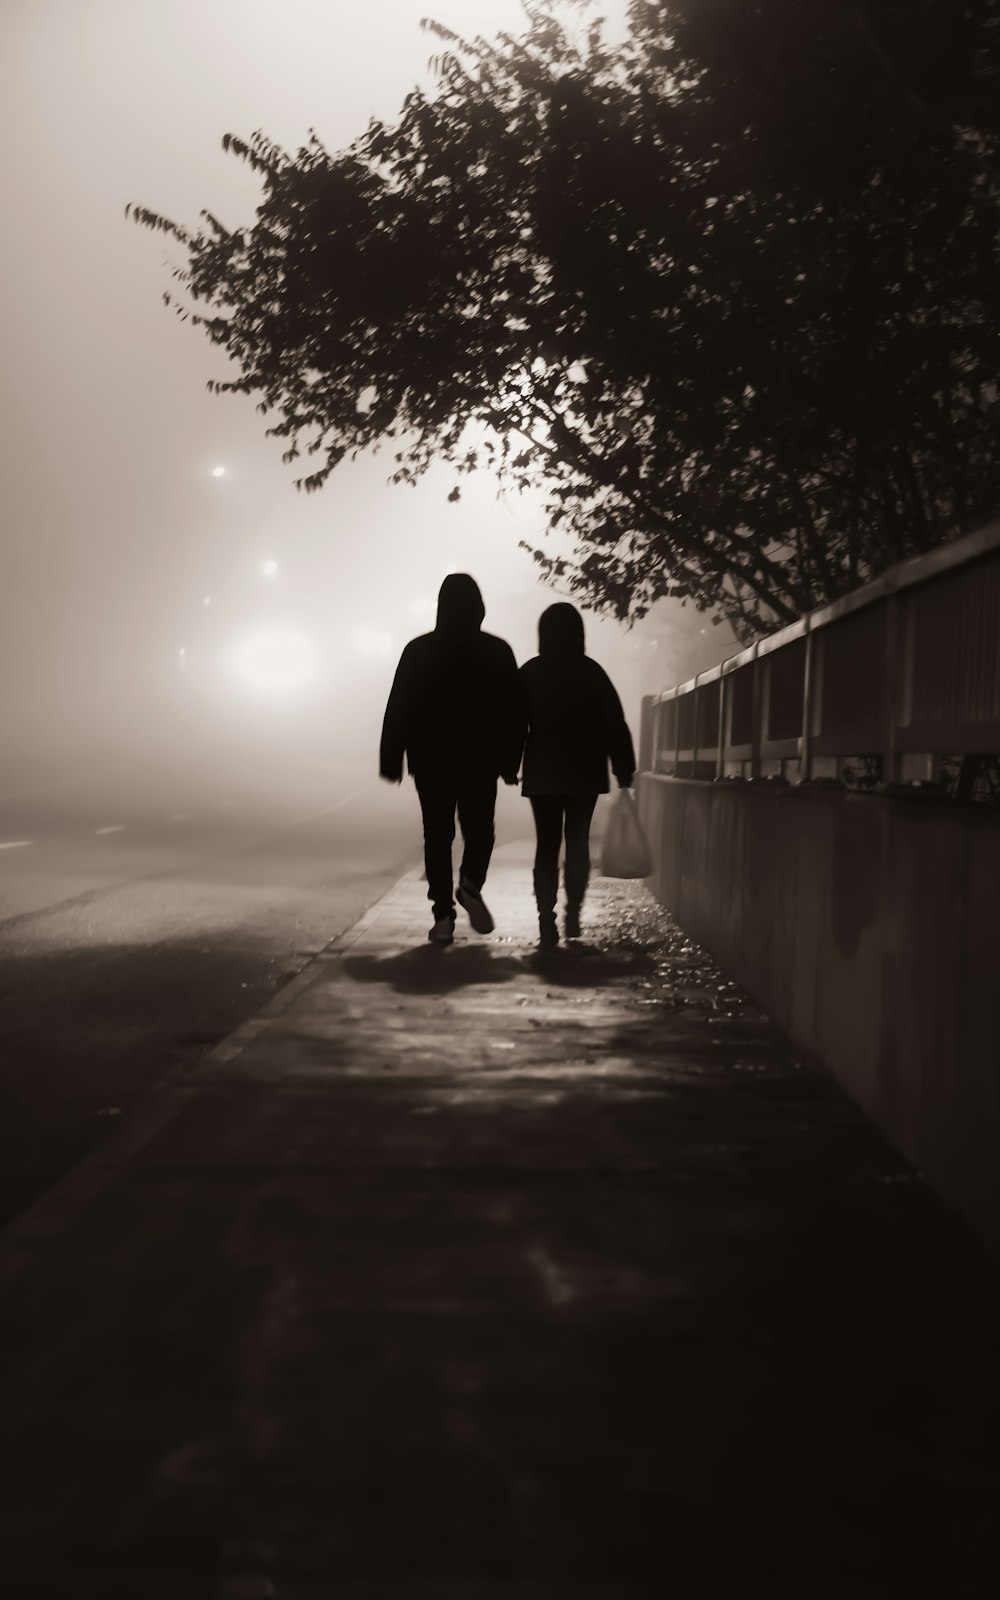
[145, 912]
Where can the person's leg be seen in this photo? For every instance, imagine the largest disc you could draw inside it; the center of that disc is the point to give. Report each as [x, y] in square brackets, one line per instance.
[477, 798]
[579, 814]
[548, 810]
[437, 806]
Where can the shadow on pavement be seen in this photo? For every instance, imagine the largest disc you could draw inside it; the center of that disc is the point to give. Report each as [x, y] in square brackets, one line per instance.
[579, 965]
[431, 969]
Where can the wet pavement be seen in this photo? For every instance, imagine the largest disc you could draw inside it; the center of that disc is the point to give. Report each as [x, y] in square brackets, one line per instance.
[477, 1273]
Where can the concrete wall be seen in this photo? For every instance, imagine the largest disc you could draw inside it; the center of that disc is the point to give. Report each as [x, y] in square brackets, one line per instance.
[869, 928]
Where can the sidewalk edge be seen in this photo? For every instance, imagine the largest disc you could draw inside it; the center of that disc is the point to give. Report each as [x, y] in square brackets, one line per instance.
[55, 1207]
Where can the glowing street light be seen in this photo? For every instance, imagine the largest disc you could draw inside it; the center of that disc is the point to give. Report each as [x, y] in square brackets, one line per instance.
[218, 472]
[270, 568]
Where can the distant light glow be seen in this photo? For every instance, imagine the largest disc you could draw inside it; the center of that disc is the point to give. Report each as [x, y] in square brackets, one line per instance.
[370, 642]
[270, 568]
[207, 600]
[218, 472]
[275, 661]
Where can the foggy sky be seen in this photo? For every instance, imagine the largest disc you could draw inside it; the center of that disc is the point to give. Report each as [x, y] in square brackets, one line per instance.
[114, 528]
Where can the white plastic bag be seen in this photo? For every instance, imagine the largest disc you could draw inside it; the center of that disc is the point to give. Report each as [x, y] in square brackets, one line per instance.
[625, 850]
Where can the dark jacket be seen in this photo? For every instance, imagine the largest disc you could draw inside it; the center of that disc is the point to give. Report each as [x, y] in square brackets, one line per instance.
[575, 726]
[456, 705]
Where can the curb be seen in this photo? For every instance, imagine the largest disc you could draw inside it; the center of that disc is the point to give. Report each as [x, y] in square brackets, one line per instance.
[236, 1042]
[54, 1209]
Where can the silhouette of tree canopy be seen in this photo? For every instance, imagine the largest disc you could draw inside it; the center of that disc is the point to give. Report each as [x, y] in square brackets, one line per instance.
[726, 294]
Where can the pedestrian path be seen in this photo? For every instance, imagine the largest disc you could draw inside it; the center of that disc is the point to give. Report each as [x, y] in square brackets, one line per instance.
[479, 1274]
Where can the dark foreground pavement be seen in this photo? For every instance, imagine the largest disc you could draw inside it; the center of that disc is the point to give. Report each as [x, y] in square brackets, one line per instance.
[472, 1274]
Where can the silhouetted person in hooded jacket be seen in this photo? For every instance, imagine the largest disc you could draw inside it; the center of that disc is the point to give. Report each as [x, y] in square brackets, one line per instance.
[456, 711]
[575, 726]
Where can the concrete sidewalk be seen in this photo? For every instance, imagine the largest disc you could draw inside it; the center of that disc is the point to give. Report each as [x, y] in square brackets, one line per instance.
[471, 1273]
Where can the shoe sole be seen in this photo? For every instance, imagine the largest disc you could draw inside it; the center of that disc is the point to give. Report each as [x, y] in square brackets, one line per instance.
[476, 911]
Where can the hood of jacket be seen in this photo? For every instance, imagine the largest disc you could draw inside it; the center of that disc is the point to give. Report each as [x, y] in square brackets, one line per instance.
[460, 608]
[560, 633]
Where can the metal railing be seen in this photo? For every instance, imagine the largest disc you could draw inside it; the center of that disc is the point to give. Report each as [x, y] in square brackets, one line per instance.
[886, 686]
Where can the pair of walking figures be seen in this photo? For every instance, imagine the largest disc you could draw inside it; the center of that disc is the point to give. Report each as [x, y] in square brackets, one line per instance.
[464, 716]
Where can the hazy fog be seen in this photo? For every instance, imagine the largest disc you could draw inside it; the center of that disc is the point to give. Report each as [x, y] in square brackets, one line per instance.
[116, 531]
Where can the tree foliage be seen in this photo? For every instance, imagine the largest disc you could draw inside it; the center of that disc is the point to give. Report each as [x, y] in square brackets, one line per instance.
[726, 294]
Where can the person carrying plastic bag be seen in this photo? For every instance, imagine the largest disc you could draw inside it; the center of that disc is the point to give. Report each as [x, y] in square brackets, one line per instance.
[575, 726]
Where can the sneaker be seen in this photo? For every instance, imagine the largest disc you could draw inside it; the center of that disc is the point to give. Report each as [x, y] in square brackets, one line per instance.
[472, 901]
[443, 931]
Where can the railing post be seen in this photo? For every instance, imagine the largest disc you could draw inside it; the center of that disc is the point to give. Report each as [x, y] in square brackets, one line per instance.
[720, 755]
[677, 732]
[646, 733]
[892, 692]
[805, 743]
[694, 727]
[758, 715]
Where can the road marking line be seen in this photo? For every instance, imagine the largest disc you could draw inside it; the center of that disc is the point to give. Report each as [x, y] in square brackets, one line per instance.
[115, 827]
[15, 844]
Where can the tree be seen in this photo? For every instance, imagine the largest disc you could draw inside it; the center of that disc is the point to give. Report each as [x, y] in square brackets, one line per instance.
[725, 294]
